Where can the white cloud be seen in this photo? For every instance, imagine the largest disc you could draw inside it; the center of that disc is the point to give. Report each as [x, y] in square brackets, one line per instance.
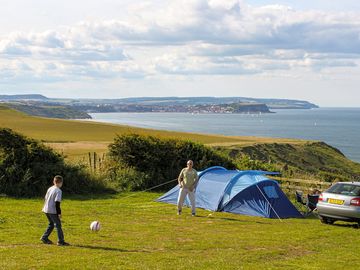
[197, 37]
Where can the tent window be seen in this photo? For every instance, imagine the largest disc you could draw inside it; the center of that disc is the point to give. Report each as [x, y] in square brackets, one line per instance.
[270, 192]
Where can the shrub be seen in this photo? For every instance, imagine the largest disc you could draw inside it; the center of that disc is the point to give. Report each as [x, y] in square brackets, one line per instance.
[161, 159]
[244, 162]
[126, 179]
[27, 168]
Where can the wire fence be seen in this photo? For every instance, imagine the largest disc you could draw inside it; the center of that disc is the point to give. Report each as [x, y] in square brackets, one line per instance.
[289, 186]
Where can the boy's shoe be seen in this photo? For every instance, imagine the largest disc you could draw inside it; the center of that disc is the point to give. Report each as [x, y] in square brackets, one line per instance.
[63, 244]
[193, 214]
[46, 241]
[178, 213]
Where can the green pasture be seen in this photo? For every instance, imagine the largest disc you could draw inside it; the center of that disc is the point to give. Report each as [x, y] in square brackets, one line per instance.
[138, 233]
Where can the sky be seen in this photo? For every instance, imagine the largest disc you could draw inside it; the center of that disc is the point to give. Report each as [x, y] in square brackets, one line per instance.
[308, 49]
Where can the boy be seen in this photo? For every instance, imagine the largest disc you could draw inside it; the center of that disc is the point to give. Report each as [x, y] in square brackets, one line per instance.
[52, 211]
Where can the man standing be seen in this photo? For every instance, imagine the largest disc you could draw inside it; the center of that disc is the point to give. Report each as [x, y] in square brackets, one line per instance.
[188, 180]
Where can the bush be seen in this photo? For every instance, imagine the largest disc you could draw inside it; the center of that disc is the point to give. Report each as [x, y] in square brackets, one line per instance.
[27, 168]
[126, 179]
[246, 163]
[161, 160]
[331, 177]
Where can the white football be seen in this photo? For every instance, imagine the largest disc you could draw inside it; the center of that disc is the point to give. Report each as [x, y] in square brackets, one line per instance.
[95, 226]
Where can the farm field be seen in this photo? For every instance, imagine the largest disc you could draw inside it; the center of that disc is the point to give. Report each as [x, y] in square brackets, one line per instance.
[138, 233]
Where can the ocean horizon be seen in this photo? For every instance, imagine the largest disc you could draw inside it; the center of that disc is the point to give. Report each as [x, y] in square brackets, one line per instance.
[338, 127]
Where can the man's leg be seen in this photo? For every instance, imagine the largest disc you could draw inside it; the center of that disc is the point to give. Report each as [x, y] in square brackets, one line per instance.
[191, 195]
[182, 194]
[49, 229]
[55, 218]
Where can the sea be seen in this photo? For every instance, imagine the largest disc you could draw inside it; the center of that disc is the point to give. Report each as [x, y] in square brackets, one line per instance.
[339, 127]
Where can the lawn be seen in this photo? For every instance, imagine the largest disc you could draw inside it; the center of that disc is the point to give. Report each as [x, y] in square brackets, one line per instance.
[138, 233]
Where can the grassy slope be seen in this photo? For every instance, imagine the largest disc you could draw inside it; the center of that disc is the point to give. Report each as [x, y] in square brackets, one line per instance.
[61, 112]
[313, 158]
[138, 233]
[76, 138]
[56, 130]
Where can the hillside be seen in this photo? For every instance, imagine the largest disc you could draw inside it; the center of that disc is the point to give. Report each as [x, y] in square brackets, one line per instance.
[61, 112]
[312, 159]
[23, 97]
[248, 108]
[296, 158]
[59, 130]
[171, 101]
[76, 138]
[178, 108]
[154, 102]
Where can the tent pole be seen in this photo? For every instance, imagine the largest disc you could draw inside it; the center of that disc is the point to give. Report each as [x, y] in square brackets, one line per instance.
[269, 203]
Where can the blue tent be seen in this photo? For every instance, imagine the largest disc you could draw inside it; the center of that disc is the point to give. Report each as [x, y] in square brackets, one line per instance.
[240, 192]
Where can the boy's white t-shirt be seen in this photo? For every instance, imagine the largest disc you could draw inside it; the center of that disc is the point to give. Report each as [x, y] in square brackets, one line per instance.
[53, 195]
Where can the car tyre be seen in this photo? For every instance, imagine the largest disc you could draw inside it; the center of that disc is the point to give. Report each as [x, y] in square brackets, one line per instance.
[330, 221]
[325, 220]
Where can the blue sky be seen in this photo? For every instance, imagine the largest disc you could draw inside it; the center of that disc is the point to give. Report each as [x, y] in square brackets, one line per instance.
[110, 49]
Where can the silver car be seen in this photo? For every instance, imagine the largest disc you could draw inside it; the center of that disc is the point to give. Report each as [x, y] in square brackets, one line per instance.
[340, 202]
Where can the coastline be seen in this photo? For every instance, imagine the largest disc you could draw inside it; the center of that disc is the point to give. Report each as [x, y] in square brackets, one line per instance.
[307, 125]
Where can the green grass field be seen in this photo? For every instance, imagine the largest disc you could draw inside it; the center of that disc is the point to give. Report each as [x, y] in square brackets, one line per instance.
[138, 233]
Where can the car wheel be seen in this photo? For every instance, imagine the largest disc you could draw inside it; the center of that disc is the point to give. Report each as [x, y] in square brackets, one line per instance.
[325, 220]
[330, 221]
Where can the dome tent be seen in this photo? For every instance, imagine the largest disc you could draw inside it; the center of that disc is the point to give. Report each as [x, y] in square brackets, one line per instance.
[240, 192]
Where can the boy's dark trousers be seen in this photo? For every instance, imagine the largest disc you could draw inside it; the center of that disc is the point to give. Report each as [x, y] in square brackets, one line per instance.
[54, 221]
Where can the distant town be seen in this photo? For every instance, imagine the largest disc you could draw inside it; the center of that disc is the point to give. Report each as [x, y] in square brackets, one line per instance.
[40, 105]
[178, 108]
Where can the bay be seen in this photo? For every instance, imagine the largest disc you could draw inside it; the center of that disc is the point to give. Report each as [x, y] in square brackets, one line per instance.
[339, 127]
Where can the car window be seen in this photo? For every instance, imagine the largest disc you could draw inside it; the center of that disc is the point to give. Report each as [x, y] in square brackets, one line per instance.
[345, 189]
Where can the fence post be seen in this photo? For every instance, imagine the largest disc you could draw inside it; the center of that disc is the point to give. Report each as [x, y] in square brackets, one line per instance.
[94, 161]
[90, 161]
